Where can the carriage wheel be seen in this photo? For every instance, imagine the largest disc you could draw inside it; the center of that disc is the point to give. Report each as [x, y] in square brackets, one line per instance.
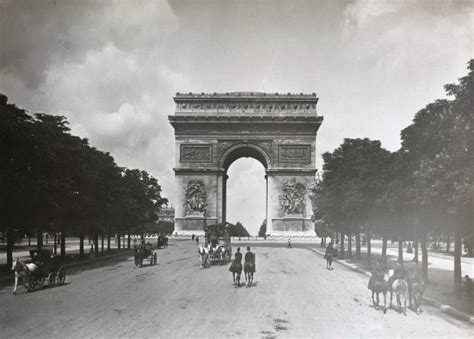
[40, 281]
[31, 282]
[61, 276]
[52, 279]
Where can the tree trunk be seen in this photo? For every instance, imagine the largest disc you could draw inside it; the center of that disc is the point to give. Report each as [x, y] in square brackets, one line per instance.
[10, 245]
[39, 240]
[357, 246]
[128, 241]
[400, 251]
[108, 242]
[341, 246]
[448, 243]
[102, 243]
[118, 241]
[415, 248]
[55, 242]
[63, 245]
[457, 261]
[96, 243]
[369, 249]
[349, 245]
[384, 251]
[424, 258]
[81, 245]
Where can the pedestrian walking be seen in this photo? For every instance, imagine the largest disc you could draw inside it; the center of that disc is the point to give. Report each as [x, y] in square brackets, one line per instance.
[91, 252]
[289, 243]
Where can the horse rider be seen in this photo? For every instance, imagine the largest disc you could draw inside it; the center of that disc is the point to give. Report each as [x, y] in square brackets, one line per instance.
[249, 265]
[329, 255]
[377, 274]
[236, 267]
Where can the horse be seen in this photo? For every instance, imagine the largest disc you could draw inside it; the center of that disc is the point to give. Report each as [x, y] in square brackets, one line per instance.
[400, 288]
[249, 267]
[22, 271]
[329, 256]
[236, 269]
[140, 254]
[379, 285]
[416, 287]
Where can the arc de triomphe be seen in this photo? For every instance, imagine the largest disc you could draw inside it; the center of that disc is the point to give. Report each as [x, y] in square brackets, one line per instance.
[214, 130]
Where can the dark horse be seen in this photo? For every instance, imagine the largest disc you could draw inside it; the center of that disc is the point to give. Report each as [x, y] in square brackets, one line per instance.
[416, 287]
[378, 283]
[236, 267]
[329, 255]
[249, 267]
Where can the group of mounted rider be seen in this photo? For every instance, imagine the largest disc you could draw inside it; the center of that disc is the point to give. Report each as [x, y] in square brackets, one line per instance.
[236, 266]
[406, 284]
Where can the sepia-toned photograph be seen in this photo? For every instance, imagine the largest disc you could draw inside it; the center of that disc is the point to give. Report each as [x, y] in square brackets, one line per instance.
[236, 169]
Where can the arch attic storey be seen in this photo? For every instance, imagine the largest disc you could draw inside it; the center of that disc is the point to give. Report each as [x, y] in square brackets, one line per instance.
[214, 130]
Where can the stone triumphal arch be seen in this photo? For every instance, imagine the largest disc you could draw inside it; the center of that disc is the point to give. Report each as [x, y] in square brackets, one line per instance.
[214, 130]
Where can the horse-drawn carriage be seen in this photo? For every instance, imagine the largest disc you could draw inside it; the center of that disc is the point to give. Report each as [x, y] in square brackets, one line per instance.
[162, 241]
[217, 236]
[145, 252]
[43, 266]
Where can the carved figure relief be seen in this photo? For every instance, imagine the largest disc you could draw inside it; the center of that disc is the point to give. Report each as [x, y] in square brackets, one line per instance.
[292, 200]
[196, 198]
[294, 153]
[196, 153]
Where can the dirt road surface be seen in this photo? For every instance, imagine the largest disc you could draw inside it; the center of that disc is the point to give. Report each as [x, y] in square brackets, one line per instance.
[293, 296]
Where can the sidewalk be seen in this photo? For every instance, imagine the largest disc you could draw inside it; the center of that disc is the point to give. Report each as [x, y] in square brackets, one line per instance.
[439, 290]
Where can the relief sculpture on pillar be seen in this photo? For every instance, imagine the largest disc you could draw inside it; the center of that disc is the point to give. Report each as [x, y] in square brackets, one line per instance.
[292, 200]
[195, 199]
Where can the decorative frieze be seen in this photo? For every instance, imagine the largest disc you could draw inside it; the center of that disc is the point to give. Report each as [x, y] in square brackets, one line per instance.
[246, 102]
[196, 153]
[294, 153]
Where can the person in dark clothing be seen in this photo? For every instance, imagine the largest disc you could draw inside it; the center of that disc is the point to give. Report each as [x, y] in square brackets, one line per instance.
[236, 267]
[329, 256]
[249, 266]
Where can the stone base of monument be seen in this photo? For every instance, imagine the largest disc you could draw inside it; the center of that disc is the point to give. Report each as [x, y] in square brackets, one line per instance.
[192, 224]
[292, 226]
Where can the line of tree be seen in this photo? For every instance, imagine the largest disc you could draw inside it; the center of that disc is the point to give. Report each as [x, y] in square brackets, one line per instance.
[424, 189]
[52, 181]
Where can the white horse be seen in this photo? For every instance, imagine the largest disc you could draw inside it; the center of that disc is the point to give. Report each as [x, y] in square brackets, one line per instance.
[400, 288]
[22, 271]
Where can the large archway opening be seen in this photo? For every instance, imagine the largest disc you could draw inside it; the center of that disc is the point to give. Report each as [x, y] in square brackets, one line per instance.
[246, 200]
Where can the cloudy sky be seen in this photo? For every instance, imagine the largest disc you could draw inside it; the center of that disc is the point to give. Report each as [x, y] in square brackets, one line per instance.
[112, 68]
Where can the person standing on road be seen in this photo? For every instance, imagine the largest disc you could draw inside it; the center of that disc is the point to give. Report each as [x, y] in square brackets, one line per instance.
[289, 243]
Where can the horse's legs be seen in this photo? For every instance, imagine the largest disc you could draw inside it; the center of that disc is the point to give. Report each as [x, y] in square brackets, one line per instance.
[384, 302]
[16, 284]
[391, 297]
